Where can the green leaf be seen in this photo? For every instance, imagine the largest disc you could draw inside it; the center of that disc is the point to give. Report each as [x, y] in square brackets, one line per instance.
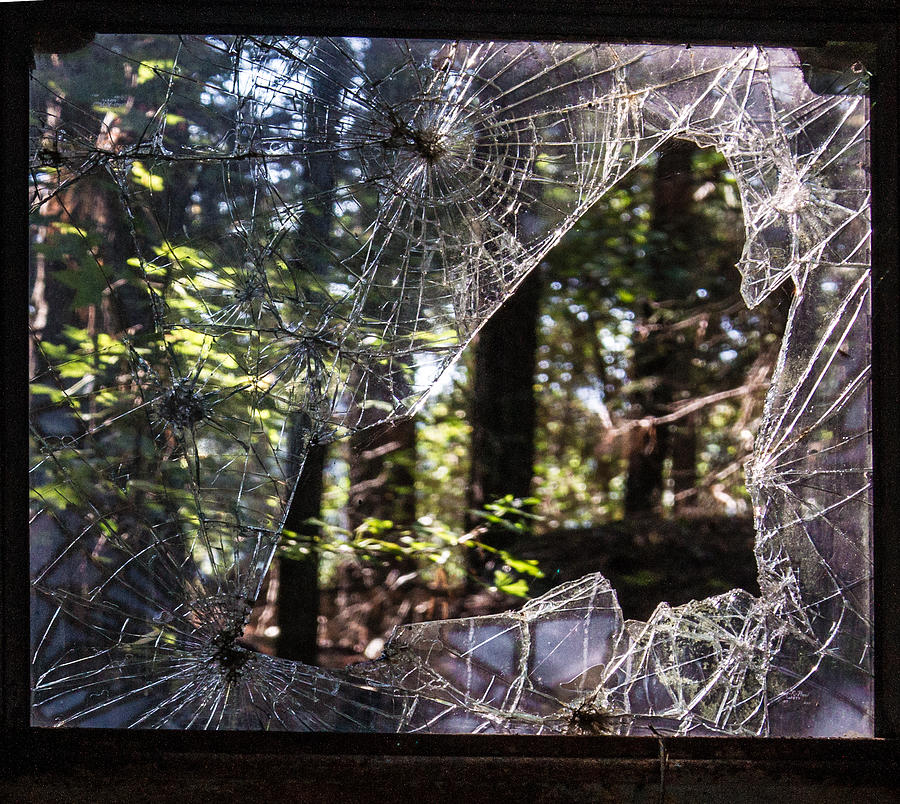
[527, 566]
[145, 178]
[152, 68]
[505, 583]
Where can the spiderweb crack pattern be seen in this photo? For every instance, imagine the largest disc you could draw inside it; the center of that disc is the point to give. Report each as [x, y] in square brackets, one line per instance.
[368, 204]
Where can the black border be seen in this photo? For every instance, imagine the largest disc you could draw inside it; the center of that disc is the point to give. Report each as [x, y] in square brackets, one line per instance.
[525, 763]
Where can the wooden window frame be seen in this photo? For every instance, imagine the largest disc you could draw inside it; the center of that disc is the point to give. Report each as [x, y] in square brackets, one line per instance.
[343, 767]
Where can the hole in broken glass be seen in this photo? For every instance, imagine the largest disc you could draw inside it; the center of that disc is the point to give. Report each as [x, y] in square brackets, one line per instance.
[324, 160]
[183, 406]
[692, 540]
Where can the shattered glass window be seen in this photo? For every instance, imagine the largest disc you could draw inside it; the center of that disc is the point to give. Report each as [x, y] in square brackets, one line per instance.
[273, 242]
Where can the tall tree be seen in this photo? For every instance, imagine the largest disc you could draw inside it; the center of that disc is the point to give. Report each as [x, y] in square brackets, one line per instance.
[660, 362]
[503, 404]
[298, 591]
[298, 580]
[382, 465]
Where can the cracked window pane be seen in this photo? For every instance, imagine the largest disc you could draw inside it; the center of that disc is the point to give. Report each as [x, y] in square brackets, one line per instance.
[270, 243]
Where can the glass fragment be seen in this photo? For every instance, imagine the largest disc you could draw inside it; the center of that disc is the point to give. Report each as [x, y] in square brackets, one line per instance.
[375, 201]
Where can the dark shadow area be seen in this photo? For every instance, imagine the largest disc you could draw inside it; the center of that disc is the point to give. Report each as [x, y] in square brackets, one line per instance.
[650, 560]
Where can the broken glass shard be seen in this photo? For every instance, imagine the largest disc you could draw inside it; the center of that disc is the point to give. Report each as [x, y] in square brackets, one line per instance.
[246, 246]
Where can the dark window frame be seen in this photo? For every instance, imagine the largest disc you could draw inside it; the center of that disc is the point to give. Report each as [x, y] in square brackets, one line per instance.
[458, 762]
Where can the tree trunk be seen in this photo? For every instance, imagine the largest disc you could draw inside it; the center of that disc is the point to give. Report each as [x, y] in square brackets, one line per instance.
[382, 474]
[298, 580]
[684, 460]
[643, 488]
[503, 404]
[298, 588]
[658, 361]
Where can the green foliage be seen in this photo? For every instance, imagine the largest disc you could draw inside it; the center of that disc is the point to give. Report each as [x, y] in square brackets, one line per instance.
[428, 544]
[510, 513]
[603, 293]
[443, 434]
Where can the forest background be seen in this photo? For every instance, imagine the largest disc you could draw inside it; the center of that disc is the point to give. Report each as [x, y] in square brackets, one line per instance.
[599, 421]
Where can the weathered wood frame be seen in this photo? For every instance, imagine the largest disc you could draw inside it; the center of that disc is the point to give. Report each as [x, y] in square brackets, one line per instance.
[81, 764]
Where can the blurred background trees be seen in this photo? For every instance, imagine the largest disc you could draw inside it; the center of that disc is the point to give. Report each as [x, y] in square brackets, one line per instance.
[614, 397]
[648, 370]
[600, 420]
